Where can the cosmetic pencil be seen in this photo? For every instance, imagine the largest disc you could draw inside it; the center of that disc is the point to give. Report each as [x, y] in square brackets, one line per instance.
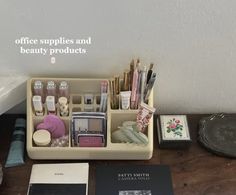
[131, 73]
[143, 82]
[134, 88]
[112, 93]
[117, 84]
[138, 91]
[126, 81]
[149, 74]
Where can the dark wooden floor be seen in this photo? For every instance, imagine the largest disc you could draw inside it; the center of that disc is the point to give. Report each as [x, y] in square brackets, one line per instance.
[194, 171]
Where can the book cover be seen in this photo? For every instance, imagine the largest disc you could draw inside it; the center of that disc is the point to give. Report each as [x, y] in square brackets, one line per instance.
[133, 180]
[59, 179]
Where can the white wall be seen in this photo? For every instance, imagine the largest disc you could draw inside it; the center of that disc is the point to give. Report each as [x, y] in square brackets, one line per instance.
[192, 43]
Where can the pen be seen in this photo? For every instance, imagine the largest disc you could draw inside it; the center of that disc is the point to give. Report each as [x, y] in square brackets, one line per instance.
[138, 91]
[126, 81]
[131, 73]
[117, 84]
[149, 74]
[134, 88]
[143, 82]
[149, 87]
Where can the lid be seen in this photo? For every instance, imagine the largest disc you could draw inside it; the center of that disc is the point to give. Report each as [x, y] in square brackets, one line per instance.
[42, 137]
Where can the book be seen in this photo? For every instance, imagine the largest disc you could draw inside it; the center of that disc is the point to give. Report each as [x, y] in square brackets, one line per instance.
[59, 179]
[133, 180]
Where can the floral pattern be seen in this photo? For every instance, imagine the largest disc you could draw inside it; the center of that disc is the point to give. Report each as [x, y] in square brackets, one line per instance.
[174, 125]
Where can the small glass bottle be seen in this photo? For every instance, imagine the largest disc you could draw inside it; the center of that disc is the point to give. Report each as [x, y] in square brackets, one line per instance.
[64, 90]
[38, 90]
[51, 89]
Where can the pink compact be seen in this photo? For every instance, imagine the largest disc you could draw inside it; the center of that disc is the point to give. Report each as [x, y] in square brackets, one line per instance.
[90, 141]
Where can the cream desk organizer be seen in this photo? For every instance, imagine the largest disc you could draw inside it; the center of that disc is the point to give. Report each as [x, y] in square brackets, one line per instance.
[79, 87]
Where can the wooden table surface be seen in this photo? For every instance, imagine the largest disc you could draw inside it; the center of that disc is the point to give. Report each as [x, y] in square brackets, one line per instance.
[194, 171]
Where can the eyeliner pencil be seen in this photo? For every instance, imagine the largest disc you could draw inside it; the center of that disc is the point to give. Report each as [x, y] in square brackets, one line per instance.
[131, 73]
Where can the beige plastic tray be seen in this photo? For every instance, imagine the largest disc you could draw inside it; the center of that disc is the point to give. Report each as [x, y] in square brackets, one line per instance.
[79, 87]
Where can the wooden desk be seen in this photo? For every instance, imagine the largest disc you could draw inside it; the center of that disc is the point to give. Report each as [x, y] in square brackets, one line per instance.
[194, 171]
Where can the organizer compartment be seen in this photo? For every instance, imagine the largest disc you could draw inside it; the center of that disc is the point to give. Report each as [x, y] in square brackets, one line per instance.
[78, 88]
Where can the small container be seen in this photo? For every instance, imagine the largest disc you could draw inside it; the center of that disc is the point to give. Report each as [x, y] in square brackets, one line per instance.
[51, 89]
[38, 89]
[42, 137]
[88, 98]
[125, 99]
[173, 132]
[51, 105]
[38, 106]
[64, 89]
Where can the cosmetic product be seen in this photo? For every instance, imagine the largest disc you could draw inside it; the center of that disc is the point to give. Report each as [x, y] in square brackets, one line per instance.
[64, 90]
[149, 87]
[117, 84]
[149, 72]
[128, 133]
[134, 88]
[131, 72]
[51, 106]
[111, 94]
[51, 89]
[60, 142]
[126, 82]
[114, 97]
[104, 86]
[42, 137]
[143, 82]
[138, 91]
[144, 115]
[125, 99]
[63, 106]
[38, 89]
[16, 153]
[54, 125]
[38, 106]
[88, 98]
[90, 141]
[103, 103]
[88, 129]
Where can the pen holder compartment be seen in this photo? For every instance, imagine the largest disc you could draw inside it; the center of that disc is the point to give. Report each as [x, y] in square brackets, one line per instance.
[78, 89]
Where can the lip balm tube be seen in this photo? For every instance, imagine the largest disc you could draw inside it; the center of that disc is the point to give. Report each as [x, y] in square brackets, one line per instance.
[38, 89]
[51, 89]
[38, 106]
[144, 115]
[50, 102]
[64, 89]
[16, 153]
[125, 99]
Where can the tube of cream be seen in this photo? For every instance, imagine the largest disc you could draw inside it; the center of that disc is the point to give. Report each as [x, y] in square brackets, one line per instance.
[145, 113]
[125, 99]
[16, 153]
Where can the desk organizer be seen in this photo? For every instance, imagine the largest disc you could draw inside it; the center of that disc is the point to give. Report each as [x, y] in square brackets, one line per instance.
[79, 87]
